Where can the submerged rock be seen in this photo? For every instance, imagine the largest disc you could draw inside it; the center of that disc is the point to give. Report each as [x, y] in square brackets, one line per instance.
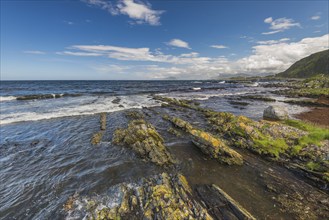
[162, 196]
[134, 115]
[116, 100]
[97, 138]
[143, 138]
[209, 144]
[223, 206]
[275, 113]
[102, 120]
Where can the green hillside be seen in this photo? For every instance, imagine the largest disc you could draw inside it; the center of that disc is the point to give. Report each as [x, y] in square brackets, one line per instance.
[317, 63]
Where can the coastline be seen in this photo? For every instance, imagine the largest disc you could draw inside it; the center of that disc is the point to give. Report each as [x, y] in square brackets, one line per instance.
[186, 148]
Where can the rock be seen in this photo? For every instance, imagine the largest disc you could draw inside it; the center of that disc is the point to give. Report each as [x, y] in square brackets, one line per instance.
[134, 114]
[208, 144]
[163, 196]
[143, 138]
[116, 100]
[102, 120]
[97, 138]
[223, 206]
[275, 113]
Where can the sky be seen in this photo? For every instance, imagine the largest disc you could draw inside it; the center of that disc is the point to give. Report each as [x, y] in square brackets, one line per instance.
[137, 39]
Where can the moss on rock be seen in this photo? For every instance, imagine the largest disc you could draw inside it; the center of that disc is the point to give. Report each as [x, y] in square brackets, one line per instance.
[97, 138]
[143, 138]
[208, 144]
[163, 196]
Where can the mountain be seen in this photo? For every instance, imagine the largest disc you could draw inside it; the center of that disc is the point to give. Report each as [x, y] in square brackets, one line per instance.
[317, 63]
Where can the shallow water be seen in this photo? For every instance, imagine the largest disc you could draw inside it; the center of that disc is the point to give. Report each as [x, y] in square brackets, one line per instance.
[242, 183]
[42, 166]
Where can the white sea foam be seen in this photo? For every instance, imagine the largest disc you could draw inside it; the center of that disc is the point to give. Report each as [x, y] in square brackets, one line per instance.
[197, 88]
[7, 98]
[76, 106]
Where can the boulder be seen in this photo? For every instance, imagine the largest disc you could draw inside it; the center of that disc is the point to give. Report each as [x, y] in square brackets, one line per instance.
[275, 113]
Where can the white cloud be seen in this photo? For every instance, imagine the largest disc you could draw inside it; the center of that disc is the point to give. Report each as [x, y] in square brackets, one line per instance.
[280, 25]
[268, 20]
[37, 52]
[315, 17]
[81, 54]
[134, 54]
[138, 11]
[274, 58]
[178, 43]
[273, 41]
[69, 22]
[267, 57]
[218, 46]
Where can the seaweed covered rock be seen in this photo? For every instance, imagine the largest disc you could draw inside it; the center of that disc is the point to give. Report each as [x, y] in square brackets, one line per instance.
[134, 115]
[291, 141]
[97, 138]
[143, 138]
[209, 144]
[163, 196]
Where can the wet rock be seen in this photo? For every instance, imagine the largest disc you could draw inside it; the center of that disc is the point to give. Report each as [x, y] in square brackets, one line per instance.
[174, 132]
[134, 115]
[239, 103]
[97, 138]
[259, 98]
[221, 204]
[163, 196]
[116, 100]
[102, 120]
[209, 144]
[275, 113]
[143, 138]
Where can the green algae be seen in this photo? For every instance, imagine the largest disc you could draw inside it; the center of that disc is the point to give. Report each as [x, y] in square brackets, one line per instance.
[143, 138]
[164, 196]
[97, 137]
[134, 115]
[207, 143]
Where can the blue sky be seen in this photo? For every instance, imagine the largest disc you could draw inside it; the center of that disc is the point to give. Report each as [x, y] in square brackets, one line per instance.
[132, 39]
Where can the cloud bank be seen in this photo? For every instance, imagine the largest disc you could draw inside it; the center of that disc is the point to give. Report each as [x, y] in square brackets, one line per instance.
[267, 57]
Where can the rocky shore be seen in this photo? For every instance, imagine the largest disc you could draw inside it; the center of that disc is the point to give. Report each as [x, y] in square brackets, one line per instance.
[290, 156]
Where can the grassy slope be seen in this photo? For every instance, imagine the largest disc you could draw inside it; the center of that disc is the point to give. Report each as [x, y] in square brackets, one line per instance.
[317, 63]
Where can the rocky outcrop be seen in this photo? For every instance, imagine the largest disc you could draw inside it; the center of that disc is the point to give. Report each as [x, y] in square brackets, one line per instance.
[162, 196]
[275, 113]
[220, 204]
[143, 138]
[208, 144]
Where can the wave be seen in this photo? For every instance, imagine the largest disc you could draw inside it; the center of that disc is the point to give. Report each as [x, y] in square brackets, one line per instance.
[7, 98]
[197, 88]
[85, 105]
